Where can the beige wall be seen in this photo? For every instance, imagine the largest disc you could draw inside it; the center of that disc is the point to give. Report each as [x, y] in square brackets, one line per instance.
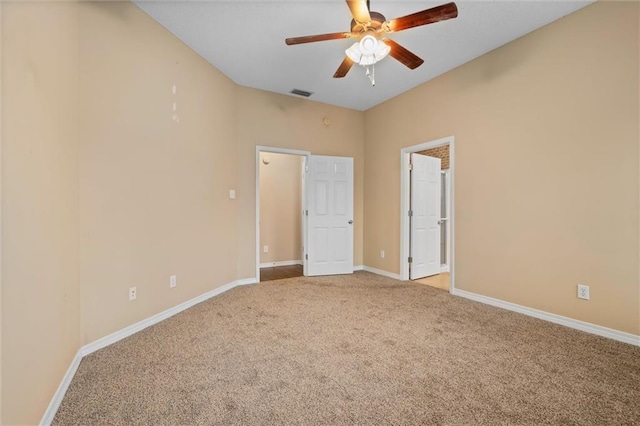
[154, 192]
[40, 291]
[141, 197]
[102, 189]
[280, 207]
[546, 185]
[269, 119]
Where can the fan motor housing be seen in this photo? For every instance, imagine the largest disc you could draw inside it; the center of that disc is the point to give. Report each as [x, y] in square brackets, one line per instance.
[377, 19]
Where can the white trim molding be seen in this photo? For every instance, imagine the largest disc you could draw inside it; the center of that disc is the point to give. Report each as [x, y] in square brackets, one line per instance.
[587, 327]
[381, 272]
[358, 268]
[244, 281]
[52, 409]
[87, 349]
[281, 263]
[141, 325]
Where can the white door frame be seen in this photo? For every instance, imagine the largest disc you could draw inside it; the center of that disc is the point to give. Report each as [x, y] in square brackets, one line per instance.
[447, 189]
[274, 150]
[405, 197]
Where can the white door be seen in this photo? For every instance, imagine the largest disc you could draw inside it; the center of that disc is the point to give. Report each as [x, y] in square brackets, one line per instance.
[329, 193]
[425, 216]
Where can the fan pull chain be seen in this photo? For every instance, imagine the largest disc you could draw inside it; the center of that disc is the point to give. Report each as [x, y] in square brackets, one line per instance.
[371, 73]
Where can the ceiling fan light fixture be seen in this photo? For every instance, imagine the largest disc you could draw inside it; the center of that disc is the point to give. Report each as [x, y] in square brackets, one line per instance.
[367, 51]
[368, 45]
[382, 52]
[368, 26]
[354, 52]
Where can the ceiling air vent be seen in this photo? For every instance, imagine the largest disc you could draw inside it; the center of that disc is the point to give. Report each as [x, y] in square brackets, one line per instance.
[301, 93]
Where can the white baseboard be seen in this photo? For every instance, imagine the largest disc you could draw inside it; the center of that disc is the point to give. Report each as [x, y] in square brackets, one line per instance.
[244, 281]
[141, 325]
[358, 268]
[587, 327]
[381, 272]
[51, 410]
[281, 263]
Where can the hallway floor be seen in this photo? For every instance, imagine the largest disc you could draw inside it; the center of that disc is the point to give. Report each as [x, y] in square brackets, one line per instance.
[441, 281]
[280, 272]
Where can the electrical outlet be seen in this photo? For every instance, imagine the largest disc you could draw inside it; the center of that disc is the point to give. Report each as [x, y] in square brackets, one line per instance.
[583, 292]
[382, 254]
[265, 249]
[173, 281]
[132, 293]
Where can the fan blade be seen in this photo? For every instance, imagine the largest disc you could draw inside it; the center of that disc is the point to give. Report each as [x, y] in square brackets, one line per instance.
[318, 37]
[359, 10]
[403, 55]
[429, 16]
[344, 68]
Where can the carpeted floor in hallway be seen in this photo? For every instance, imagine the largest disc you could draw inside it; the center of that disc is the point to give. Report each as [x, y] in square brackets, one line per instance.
[360, 349]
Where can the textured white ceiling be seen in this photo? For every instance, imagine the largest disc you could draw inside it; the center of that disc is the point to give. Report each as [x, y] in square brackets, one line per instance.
[245, 41]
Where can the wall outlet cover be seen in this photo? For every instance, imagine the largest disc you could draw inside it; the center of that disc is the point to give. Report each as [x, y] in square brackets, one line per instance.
[583, 291]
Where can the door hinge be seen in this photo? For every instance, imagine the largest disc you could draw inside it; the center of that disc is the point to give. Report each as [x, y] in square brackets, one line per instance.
[410, 166]
[306, 212]
[410, 259]
[410, 213]
[306, 257]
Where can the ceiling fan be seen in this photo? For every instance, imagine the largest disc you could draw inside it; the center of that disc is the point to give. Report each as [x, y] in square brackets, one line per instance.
[371, 28]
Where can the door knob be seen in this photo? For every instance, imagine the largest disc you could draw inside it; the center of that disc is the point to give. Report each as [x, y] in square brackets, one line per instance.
[350, 222]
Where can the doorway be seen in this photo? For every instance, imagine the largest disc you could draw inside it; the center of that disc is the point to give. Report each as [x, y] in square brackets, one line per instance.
[280, 203]
[280, 216]
[428, 247]
[326, 213]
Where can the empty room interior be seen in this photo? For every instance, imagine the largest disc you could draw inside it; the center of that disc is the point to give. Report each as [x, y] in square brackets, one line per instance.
[136, 218]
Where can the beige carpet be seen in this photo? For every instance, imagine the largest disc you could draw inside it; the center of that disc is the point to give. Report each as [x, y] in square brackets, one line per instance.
[359, 349]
